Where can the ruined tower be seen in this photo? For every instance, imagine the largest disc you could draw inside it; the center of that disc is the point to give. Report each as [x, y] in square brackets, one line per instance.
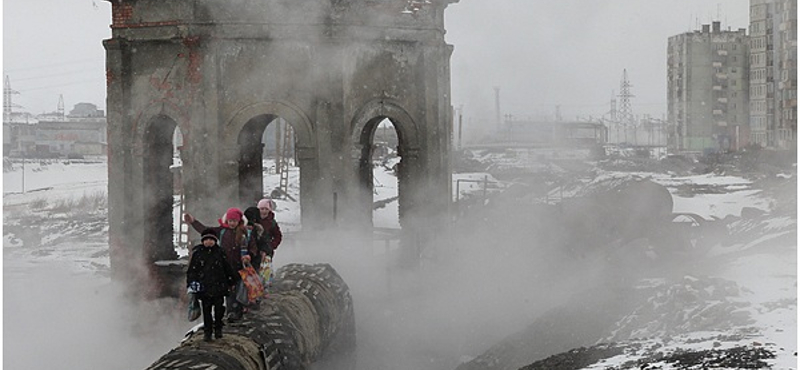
[221, 71]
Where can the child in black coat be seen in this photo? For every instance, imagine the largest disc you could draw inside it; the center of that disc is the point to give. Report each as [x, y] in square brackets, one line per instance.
[210, 276]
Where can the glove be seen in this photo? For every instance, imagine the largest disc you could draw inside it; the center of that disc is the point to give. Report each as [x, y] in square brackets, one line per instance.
[194, 287]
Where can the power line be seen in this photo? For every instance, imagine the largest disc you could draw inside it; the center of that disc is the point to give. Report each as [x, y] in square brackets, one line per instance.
[26, 68]
[66, 73]
[60, 85]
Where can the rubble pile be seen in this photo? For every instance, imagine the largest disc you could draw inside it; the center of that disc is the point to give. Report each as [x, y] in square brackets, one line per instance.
[601, 357]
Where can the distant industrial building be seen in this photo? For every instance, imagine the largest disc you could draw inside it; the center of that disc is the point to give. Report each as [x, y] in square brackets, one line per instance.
[773, 73]
[80, 133]
[19, 133]
[550, 133]
[707, 85]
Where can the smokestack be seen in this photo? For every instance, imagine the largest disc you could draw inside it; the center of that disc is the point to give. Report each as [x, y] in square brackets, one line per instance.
[497, 108]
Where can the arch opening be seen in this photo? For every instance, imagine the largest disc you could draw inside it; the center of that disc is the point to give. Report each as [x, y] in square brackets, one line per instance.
[159, 152]
[379, 169]
[267, 165]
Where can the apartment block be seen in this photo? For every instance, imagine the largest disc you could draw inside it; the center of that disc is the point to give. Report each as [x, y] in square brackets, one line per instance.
[707, 89]
[773, 73]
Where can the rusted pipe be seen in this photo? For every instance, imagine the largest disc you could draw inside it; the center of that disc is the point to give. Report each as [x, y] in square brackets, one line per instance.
[308, 317]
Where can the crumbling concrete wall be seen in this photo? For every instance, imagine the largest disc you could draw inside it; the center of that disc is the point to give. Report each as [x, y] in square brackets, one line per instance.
[221, 71]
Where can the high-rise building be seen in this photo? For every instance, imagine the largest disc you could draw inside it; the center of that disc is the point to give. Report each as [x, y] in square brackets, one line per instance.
[786, 82]
[707, 86]
[773, 73]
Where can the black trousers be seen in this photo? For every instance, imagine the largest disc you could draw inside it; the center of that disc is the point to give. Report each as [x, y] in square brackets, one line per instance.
[207, 302]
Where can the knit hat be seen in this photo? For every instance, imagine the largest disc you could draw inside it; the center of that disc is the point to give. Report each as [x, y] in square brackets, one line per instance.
[267, 203]
[233, 214]
[253, 215]
[209, 234]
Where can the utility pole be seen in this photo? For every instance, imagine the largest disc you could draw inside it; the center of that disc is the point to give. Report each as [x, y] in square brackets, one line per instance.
[613, 115]
[497, 108]
[460, 122]
[23, 171]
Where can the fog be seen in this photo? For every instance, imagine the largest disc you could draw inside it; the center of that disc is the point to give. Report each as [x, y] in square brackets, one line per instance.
[496, 273]
[504, 266]
[466, 295]
[55, 317]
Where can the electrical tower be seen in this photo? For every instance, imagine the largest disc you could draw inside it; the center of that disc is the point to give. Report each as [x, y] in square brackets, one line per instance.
[7, 104]
[61, 107]
[625, 113]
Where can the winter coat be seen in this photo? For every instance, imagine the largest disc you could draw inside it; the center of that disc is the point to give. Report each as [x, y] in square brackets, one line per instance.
[232, 242]
[272, 232]
[210, 267]
[262, 244]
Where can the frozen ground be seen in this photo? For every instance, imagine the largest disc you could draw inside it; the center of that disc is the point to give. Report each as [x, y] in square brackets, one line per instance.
[58, 298]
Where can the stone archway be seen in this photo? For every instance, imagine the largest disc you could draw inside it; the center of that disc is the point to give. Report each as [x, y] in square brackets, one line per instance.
[364, 124]
[158, 184]
[247, 126]
[221, 71]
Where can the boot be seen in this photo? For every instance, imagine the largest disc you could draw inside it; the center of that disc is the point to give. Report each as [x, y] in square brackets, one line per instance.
[233, 317]
[218, 332]
[207, 336]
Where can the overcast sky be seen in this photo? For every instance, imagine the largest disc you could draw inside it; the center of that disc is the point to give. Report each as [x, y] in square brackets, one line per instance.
[539, 53]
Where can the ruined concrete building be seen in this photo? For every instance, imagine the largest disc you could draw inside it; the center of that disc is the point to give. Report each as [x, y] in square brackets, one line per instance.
[221, 71]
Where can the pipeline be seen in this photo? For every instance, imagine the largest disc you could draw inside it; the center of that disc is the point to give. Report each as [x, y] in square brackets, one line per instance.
[308, 318]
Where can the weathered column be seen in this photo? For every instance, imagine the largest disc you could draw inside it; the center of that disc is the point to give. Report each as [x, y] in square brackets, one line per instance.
[411, 207]
[307, 318]
[121, 247]
[311, 186]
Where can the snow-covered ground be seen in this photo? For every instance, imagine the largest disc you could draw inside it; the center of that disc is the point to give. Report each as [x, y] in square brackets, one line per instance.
[59, 301]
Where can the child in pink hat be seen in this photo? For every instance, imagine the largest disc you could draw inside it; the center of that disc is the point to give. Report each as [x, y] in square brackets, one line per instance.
[272, 231]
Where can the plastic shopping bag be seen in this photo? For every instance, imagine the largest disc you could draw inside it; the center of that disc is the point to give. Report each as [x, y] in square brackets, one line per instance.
[253, 287]
[265, 270]
[241, 293]
[194, 310]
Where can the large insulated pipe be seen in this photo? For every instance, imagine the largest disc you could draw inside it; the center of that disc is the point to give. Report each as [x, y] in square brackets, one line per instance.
[307, 318]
